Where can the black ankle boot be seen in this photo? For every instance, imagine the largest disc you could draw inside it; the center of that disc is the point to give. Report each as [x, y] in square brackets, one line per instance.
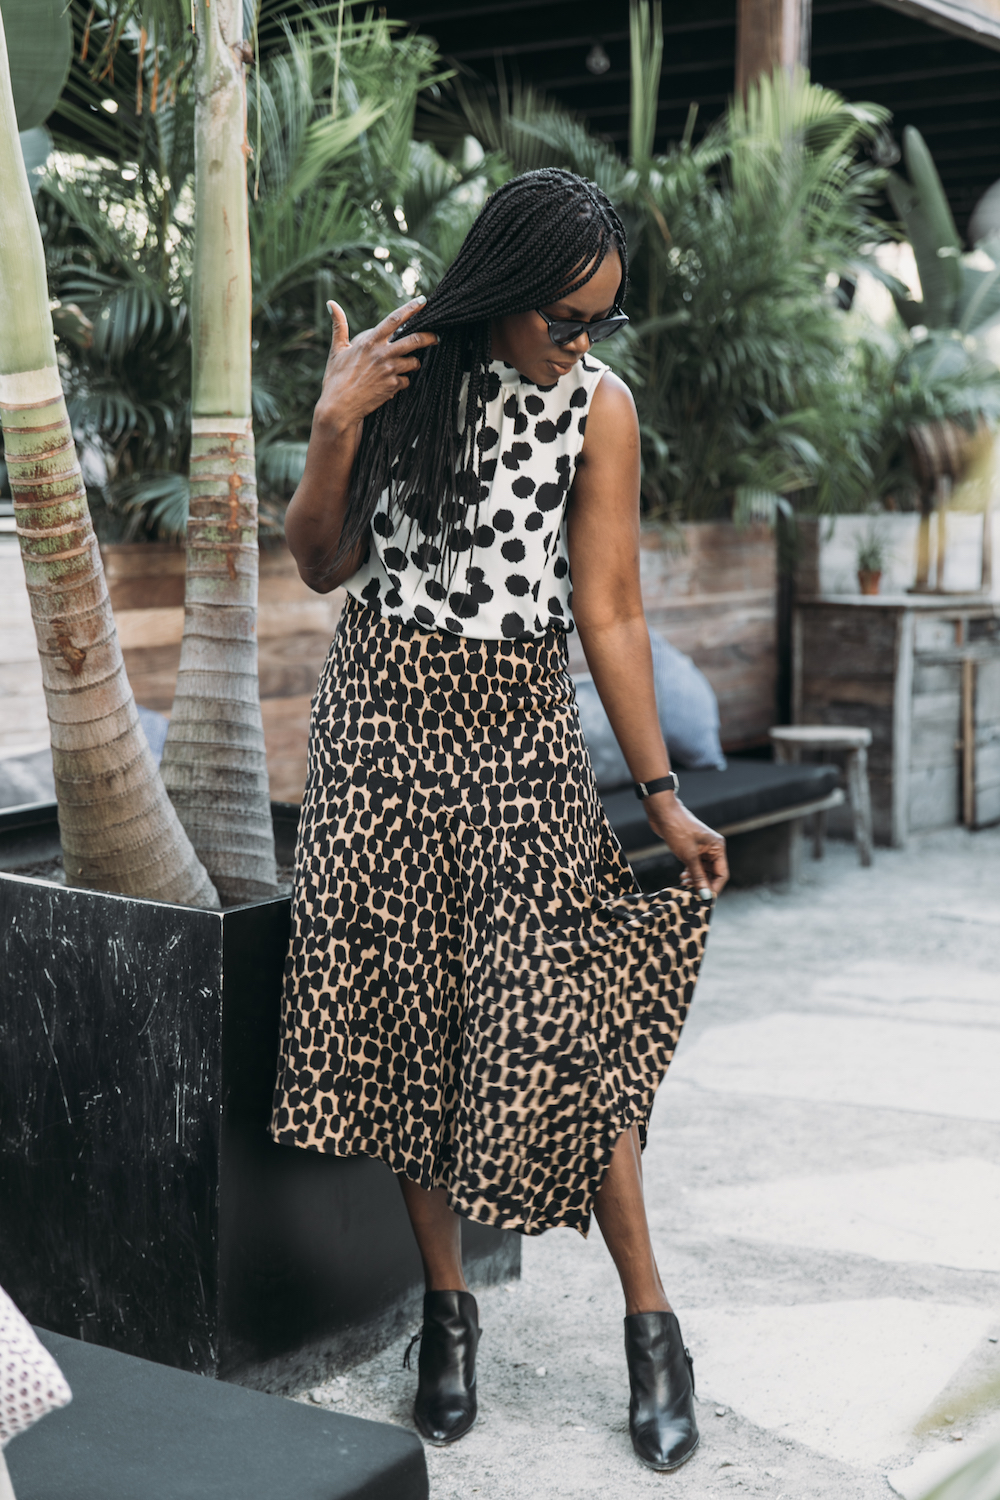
[661, 1373]
[445, 1407]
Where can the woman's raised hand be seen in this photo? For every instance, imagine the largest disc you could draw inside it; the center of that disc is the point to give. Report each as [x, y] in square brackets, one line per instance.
[364, 372]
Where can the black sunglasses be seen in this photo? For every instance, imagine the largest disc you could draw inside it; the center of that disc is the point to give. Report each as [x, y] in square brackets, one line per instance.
[563, 332]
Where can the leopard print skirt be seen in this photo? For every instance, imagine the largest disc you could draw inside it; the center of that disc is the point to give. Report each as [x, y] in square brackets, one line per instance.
[476, 991]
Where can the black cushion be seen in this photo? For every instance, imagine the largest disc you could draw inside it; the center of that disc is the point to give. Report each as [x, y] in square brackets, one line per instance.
[745, 789]
[139, 1431]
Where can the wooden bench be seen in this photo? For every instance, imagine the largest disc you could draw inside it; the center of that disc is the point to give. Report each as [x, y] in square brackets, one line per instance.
[141, 1431]
[758, 806]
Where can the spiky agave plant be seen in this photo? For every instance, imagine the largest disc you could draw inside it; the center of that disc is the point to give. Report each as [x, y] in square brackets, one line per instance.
[119, 831]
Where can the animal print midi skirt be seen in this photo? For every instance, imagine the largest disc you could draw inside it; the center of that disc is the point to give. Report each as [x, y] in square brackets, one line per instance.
[476, 991]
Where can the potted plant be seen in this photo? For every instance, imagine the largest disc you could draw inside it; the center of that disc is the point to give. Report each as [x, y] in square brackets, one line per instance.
[872, 550]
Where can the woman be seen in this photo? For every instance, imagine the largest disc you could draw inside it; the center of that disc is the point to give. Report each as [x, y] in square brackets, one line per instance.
[477, 993]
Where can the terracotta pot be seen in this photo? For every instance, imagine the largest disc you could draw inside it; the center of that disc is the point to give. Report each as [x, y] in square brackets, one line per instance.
[868, 581]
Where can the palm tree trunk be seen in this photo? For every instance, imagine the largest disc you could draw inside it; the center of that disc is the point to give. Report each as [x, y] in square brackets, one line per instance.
[119, 831]
[214, 764]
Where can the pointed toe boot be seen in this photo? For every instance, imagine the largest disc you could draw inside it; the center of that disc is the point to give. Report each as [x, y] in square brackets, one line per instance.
[445, 1407]
[661, 1374]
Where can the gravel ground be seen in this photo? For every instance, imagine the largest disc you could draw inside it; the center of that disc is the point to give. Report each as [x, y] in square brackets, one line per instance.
[876, 1306]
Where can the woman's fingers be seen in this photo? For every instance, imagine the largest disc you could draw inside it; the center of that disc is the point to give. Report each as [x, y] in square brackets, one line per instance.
[720, 872]
[399, 365]
[411, 341]
[341, 332]
[698, 878]
[394, 320]
[713, 864]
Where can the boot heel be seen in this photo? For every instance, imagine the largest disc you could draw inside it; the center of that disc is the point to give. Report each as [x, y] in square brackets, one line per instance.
[446, 1405]
[661, 1374]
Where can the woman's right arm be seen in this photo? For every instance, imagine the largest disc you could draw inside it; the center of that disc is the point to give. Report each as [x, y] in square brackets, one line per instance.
[361, 375]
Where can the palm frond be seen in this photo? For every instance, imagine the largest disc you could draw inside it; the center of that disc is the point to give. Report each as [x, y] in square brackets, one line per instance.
[159, 501]
[753, 505]
[280, 464]
[646, 47]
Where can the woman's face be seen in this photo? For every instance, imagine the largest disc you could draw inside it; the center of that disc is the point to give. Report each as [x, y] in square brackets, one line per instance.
[523, 338]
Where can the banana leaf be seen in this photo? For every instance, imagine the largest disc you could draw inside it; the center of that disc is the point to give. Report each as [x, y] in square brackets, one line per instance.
[40, 46]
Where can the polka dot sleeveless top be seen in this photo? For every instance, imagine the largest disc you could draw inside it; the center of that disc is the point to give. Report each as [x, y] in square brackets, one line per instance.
[512, 578]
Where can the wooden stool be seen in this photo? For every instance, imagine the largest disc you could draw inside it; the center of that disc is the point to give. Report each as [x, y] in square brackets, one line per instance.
[789, 742]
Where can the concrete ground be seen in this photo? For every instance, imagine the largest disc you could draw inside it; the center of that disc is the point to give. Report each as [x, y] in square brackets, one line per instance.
[823, 1179]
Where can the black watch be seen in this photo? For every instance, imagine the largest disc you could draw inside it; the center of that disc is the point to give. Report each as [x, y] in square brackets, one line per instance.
[668, 783]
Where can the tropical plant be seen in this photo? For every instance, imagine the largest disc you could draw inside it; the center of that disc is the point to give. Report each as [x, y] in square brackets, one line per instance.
[40, 38]
[737, 352]
[119, 830]
[131, 299]
[957, 297]
[872, 549]
[333, 174]
[975, 1478]
[977, 1475]
[214, 761]
[928, 383]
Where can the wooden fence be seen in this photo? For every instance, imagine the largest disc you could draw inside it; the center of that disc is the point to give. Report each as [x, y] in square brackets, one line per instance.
[709, 588]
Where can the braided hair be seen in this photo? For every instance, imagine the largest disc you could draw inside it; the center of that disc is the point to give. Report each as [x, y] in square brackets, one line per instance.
[538, 238]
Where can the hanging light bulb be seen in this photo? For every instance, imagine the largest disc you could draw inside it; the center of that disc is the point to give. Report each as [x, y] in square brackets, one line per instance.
[598, 61]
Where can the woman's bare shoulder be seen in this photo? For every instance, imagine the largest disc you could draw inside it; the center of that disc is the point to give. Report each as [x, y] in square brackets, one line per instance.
[612, 423]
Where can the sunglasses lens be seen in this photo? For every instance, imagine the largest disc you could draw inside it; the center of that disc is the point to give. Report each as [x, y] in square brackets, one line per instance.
[562, 333]
[606, 328]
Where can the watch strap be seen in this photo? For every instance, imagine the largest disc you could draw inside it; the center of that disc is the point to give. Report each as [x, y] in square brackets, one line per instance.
[668, 783]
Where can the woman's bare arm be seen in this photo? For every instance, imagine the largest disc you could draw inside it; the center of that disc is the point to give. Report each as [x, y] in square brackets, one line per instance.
[603, 521]
[361, 375]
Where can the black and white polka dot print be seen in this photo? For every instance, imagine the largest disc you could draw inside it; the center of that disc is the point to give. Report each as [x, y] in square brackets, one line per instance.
[510, 576]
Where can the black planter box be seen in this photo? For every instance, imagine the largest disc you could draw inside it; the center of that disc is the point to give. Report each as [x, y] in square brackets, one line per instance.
[142, 1203]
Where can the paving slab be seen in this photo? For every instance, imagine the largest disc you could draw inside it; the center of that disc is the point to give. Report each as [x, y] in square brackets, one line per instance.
[823, 1184]
[872, 1213]
[849, 1379]
[897, 1064]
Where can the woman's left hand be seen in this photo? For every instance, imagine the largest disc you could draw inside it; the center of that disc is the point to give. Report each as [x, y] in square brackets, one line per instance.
[701, 851]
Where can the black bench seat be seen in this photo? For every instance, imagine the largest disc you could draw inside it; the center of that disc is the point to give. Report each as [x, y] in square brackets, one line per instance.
[749, 795]
[141, 1431]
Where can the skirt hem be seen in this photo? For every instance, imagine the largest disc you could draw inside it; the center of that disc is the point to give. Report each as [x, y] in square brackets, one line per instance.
[580, 1221]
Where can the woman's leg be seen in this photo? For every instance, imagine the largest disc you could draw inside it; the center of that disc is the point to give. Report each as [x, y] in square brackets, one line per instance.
[446, 1404]
[620, 1211]
[439, 1236]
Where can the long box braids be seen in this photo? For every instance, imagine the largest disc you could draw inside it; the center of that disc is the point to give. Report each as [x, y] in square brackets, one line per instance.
[538, 238]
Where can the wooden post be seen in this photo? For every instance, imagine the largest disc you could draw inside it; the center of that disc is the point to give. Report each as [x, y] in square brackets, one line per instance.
[770, 34]
[922, 582]
[941, 502]
[986, 574]
[969, 742]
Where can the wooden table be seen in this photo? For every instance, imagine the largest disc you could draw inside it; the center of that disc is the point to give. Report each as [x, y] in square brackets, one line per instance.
[922, 671]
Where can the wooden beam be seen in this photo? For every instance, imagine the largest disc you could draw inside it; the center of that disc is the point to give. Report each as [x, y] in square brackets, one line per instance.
[977, 20]
[770, 34]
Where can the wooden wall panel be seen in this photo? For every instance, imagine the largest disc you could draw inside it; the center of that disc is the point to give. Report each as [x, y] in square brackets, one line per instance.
[710, 589]
[847, 677]
[923, 673]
